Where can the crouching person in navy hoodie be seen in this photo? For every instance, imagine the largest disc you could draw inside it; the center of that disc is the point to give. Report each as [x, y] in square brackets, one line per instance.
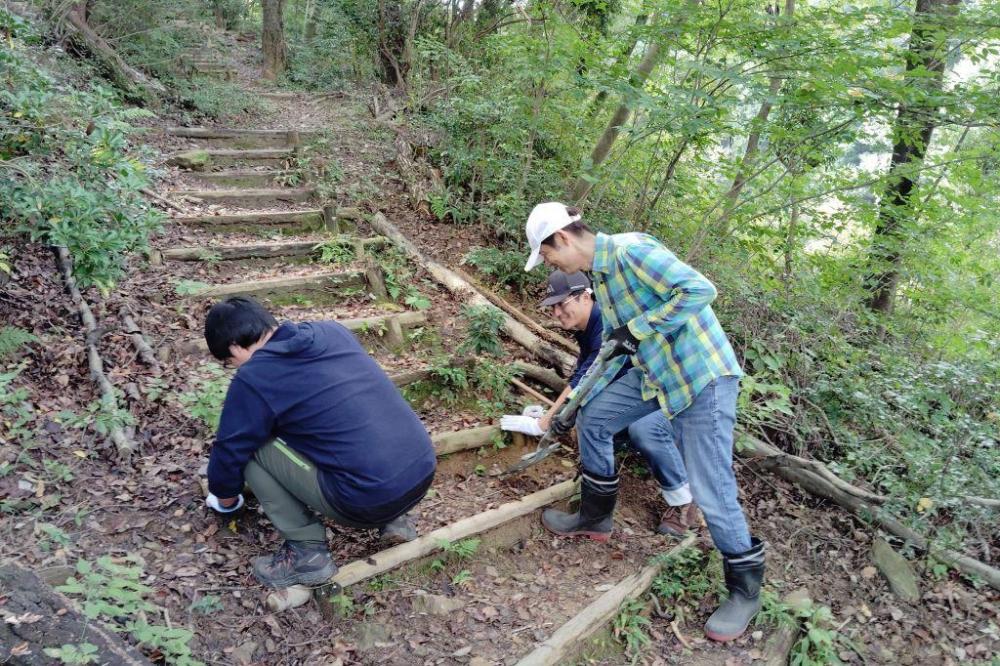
[315, 427]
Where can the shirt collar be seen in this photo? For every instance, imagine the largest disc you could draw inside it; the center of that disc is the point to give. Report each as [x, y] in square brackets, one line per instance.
[603, 251]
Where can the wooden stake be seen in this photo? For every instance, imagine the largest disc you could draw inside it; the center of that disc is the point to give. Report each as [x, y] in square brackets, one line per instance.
[530, 391]
[568, 640]
[330, 219]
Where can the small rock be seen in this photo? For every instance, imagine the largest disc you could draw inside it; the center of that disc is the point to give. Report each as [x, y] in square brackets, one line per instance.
[757, 635]
[480, 661]
[244, 653]
[370, 634]
[461, 652]
[895, 568]
[436, 604]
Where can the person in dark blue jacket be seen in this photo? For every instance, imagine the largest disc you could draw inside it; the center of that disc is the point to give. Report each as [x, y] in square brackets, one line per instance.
[569, 298]
[312, 424]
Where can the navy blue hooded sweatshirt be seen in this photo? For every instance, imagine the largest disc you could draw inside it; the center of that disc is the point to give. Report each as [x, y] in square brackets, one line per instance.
[315, 387]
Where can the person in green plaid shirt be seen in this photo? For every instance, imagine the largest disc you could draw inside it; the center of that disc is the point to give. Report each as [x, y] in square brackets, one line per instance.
[657, 311]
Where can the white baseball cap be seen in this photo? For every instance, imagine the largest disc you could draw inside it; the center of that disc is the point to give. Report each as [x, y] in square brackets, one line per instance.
[545, 219]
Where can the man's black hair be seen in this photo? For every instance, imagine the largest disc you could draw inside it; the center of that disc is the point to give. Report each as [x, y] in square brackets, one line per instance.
[576, 228]
[236, 321]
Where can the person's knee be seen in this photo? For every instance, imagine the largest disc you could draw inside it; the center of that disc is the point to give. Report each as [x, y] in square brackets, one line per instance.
[640, 437]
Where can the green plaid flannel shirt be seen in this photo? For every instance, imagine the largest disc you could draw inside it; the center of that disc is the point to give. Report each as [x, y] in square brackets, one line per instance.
[665, 303]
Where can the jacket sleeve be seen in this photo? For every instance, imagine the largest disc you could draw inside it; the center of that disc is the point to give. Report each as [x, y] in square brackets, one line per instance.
[683, 290]
[245, 426]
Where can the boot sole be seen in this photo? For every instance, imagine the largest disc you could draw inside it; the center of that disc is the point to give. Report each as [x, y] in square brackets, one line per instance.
[724, 638]
[602, 537]
[313, 579]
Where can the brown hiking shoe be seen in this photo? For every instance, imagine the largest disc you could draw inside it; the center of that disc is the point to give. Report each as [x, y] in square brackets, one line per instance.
[678, 520]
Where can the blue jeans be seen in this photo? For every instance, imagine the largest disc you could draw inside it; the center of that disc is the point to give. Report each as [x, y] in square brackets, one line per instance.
[703, 433]
[652, 436]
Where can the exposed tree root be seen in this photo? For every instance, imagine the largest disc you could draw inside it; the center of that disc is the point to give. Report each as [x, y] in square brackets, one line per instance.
[803, 473]
[142, 347]
[123, 443]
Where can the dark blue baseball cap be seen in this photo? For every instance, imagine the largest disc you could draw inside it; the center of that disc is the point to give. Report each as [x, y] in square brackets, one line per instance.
[563, 285]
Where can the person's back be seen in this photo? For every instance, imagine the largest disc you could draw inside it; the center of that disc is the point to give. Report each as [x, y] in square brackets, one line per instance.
[328, 399]
[311, 424]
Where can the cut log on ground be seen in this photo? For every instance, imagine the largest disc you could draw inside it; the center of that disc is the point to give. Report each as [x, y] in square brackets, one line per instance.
[537, 328]
[455, 284]
[249, 198]
[779, 644]
[234, 252]
[570, 638]
[541, 375]
[531, 392]
[142, 347]
[462, 440]
[304, 218]
[389, 559]
[109, 403]
[319, 283]
[783, 464]
[34, 617]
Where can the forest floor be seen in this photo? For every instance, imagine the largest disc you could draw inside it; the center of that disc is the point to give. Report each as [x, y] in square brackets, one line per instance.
[519, 585]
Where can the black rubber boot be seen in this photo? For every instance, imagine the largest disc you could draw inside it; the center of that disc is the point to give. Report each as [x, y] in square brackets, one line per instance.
[744, 575]
[598, 495]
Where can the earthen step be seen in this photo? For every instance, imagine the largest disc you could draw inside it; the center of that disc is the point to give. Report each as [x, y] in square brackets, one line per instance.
[312, 218]
[256, 250]
[249, 198]
[242, 177]
[198, 160]
[318, 284]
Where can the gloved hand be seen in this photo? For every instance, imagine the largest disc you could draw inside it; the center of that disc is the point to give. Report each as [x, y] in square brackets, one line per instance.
[534, 411]
[526, 424]
[212, 502]
[624, 341]
[561, 426]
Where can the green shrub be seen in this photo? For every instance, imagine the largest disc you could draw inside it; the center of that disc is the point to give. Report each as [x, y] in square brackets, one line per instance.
[505, 266]
[13, 338]
[483, 324]
[76, 181]
[204, 401]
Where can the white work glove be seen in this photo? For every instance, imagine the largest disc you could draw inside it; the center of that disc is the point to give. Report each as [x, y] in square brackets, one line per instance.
[212, 502]
[526, 424]
[534, 411]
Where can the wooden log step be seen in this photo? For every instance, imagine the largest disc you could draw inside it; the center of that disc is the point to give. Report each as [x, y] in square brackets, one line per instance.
[280, 96]
[249, 198]
[304, 284]
[236, 133]
[564, 645]
[254, 250]
[203, 159]
[462, 440]
[389, 559]
[242, 177]
[312, 218]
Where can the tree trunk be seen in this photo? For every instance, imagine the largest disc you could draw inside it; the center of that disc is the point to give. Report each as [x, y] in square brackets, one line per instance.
[273, 39]
[620, 61]
[912, 132]
[584, 183]
[135, 84]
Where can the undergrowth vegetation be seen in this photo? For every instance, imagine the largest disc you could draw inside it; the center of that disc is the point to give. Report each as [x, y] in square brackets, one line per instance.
[71, 174]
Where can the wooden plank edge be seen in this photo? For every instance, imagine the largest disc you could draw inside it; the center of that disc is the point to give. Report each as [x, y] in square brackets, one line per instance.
[570, 637]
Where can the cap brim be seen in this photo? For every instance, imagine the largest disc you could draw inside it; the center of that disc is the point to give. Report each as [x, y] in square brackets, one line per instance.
[552, 300]
[534, 259]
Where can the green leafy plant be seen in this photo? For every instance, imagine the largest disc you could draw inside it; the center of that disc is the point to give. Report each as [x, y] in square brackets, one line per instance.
[506, 267]
[12, 339]
[631, 626]
[336, 251]
[686, 578]
[110, 589]
[343, 605]
[189, 287]
[84, 653]
[461, 550]
[483, 324]
[206, 605]
[204, 401]
[462, 578]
